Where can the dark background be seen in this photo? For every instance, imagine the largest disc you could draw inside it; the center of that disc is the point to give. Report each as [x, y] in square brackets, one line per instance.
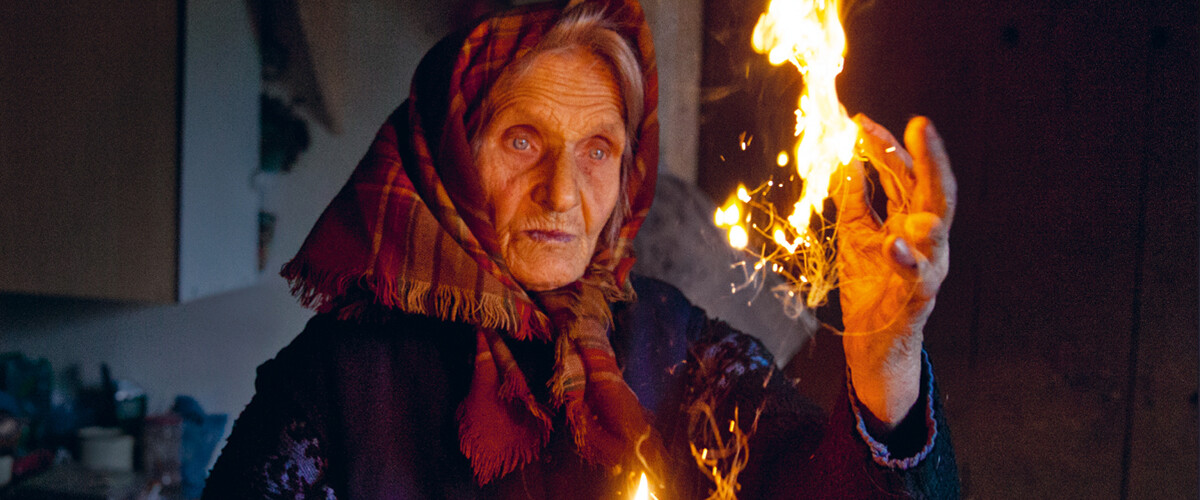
[1065, 338]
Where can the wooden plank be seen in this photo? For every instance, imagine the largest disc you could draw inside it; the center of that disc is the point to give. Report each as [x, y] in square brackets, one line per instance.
[324, 27]
[1163, 439]
[1043, 402]
[677, 25]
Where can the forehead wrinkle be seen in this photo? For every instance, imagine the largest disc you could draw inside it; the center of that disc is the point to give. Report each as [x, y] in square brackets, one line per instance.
[533, 105]
[557, 87]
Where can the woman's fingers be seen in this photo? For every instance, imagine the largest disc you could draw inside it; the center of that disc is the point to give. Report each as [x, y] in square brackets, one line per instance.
[850, 197]
[918, 179]
[936, 189]
[917, 249]
[921, 197]
[891, 161]
[902, 258]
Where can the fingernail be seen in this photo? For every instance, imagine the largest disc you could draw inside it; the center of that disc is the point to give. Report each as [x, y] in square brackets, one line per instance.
[903, 254]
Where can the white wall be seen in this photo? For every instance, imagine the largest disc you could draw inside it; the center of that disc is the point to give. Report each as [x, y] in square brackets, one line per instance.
[677, 27]
[210, 348]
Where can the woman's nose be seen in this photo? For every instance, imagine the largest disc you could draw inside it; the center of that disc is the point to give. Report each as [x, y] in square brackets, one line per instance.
[559, 191]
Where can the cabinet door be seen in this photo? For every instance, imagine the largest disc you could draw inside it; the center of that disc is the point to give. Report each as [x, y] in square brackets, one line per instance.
[88, 154]
[128, 139]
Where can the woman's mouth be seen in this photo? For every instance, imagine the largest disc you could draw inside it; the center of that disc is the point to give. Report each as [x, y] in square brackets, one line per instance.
[550, 236]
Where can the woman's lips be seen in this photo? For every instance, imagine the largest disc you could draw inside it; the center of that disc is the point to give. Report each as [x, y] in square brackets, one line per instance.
[550, 236]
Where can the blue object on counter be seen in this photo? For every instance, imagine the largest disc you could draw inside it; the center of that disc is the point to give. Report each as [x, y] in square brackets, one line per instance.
[25, 385]
[201, 433]
[10, 405]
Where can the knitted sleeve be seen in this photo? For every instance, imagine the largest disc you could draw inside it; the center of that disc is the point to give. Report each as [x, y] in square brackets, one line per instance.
[917, 460]
[914, 438]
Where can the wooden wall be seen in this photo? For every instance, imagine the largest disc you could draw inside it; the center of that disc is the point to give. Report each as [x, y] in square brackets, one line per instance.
[1065, 339]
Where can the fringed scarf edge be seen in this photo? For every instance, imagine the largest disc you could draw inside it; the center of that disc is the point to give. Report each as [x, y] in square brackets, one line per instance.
[355, 294]
[512, 407]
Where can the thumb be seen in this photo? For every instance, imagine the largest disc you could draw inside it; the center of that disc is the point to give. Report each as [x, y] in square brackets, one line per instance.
[902, 258]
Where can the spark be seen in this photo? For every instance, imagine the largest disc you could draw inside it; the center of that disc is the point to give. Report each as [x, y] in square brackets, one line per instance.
[726, 454]
[744, 140]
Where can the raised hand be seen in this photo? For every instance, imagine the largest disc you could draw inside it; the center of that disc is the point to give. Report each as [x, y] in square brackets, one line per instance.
[889, 271]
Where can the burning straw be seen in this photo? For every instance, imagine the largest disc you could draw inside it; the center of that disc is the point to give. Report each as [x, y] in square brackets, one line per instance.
[799, 247]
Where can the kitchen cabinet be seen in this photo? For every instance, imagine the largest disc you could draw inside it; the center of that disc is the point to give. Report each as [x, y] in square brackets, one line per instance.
[129, 135]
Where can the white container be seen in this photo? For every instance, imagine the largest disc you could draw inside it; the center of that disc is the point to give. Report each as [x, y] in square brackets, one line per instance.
[105, 449]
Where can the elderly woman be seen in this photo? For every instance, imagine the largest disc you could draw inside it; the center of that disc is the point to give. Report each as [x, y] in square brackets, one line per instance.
[479, 334]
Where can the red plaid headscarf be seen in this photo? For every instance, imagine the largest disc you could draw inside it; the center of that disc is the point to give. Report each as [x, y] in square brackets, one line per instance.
[398, 238]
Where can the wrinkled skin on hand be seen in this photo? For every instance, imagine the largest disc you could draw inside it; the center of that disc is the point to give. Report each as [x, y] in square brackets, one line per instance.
[889, 271]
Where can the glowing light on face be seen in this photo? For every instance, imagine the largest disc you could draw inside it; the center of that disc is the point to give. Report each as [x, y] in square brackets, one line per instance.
[808, 34]
[549, 165]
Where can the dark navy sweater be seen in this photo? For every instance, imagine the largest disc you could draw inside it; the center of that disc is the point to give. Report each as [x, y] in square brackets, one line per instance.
[367, 410]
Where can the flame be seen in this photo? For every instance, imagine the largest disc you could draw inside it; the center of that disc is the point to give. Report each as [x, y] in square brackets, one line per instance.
[728, 216]
[643, 489]
[808, 34]
[731, 217]
[738, 238]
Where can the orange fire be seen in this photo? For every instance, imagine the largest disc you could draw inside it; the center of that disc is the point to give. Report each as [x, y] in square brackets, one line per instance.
[643, 489]
[807, 33]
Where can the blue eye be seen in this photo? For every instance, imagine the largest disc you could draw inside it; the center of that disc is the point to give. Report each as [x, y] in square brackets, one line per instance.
[597, 154]
[520, 144]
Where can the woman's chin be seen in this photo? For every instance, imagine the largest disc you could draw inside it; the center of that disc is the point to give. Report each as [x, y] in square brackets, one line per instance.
[548, 276]
[545, 267]
[540, 280]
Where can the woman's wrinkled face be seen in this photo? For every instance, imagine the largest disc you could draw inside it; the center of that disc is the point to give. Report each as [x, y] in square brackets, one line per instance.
[550, 165]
